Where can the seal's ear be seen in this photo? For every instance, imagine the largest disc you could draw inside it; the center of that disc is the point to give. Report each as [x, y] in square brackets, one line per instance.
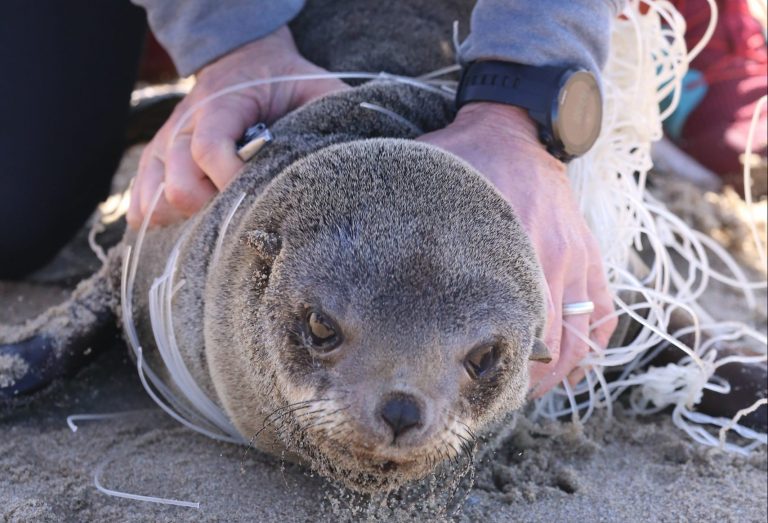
[265, 244]
[540, 352]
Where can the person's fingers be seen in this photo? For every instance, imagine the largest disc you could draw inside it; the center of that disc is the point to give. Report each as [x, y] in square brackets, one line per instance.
[143, 195]
[187, 188]
[133, 215]
[162, 213]
[218, 126]
[572, 349]
[599, 294]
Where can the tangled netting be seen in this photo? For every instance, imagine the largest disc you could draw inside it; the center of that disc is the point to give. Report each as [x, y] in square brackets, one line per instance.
[647, 63]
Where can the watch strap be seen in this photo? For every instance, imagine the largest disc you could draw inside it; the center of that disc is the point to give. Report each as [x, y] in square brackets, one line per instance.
[531, 87]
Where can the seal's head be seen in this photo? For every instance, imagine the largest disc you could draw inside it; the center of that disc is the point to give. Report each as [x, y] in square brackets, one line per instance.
[398, 309]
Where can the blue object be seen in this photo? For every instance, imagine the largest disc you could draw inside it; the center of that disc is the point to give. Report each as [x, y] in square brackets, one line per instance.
[692, 92]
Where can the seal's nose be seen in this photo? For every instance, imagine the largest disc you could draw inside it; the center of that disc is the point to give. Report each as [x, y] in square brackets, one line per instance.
[401, 413]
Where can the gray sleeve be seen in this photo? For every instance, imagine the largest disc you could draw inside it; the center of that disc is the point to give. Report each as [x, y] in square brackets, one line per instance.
[541, 32]
[196, 32]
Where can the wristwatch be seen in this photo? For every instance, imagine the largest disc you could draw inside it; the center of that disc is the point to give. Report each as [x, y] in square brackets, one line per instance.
[566, 103]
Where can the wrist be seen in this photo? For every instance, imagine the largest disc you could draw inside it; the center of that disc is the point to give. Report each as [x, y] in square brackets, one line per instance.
[269, 51]
[506, 121]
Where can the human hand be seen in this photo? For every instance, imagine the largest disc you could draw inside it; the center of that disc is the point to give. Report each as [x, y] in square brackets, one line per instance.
[201, 159]
[501, 142]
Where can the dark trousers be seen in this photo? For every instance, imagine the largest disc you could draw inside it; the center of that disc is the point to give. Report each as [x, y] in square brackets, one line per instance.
[67, 69]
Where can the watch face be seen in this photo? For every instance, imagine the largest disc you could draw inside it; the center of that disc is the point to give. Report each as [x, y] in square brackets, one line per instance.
[579, 113]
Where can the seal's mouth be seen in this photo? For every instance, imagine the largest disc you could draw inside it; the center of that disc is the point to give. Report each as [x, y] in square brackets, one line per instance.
[368, 472]
[377, 464]
[375, 476]
[385, 466]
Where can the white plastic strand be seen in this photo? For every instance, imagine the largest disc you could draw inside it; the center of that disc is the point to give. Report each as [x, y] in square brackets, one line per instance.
[428, 85]
[160, 314]
[72, 418]
[170, 403]
[95, 229]
[748, 179]
[137, 497]
[391, 114]
[224, 228]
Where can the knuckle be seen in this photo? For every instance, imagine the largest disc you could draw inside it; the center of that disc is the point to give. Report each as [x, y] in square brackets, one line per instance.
[560, 243]
[568, 244]
[133, 216]
[178, 196]
[591, 243]
[146, 153]
[143, 209]
[582, 349]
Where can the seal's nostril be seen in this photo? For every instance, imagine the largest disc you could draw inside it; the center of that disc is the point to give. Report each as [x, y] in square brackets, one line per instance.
[401, 413]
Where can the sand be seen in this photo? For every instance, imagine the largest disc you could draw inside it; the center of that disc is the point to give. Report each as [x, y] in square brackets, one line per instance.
[620, 469]
[624, 470]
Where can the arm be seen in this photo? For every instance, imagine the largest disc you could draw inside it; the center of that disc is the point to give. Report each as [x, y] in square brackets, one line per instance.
[541, 32]
[195, 33]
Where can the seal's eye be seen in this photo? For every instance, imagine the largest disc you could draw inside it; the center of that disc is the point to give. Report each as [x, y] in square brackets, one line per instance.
[322, 332]
[480, 360]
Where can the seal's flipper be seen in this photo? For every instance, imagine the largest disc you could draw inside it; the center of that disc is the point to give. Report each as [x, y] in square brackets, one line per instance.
[32, 364]
[63, 338]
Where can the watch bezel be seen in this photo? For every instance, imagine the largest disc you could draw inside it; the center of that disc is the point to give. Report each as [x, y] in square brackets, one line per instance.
[568, 150]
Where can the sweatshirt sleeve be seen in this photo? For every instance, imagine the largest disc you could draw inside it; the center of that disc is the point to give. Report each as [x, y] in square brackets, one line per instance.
[541, 32]
[196, 32]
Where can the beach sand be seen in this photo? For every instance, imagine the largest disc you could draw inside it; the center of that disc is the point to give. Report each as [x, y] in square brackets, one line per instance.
[620, 469]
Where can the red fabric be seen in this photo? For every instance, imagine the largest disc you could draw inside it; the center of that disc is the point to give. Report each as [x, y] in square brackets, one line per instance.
[156, 66]
[735, 65]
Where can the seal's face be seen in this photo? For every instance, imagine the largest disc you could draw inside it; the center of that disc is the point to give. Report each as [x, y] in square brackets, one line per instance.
[391, 373]
[400, 310]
